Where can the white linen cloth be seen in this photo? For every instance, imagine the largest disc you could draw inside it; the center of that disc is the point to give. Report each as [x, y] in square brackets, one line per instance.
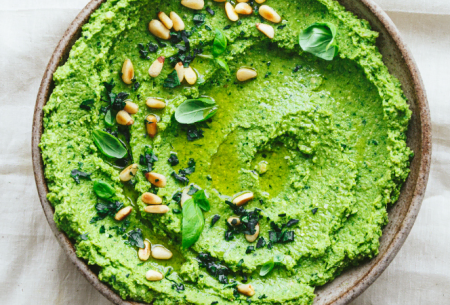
[33, 267]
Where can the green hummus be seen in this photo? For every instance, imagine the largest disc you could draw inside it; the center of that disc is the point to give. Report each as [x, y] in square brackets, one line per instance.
[320, 144]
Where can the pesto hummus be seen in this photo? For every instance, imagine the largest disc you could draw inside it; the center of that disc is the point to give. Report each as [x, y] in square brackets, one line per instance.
[282, 186]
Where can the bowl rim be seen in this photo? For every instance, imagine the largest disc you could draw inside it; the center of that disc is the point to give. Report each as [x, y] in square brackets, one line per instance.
[60, 55]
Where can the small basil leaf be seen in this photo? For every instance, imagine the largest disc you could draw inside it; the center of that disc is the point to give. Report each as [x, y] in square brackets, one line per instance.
[201, 200]
[172, 80]
[109, 145]
[219, 44]
[195, 110]
[266, 268]
[193, 223]
[223, 64]
[136, 239]
[319, 40]
[103, 189]
[87, 104]
[109, 118]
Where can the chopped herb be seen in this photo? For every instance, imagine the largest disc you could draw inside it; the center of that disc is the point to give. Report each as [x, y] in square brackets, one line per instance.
[136, 239]
[260, 243]
[192, 190]
[177, 197]
[108, 209]
[291, 223]
[193, 133]
[84, 236]
[288, 237]
[77, 174]
[209, 178]
[210, 11]
[215, 302]
[215, 219]
[147, 160]
[282, 215]
[280, 27]
[227, 27]
[136, 86]
[297, 68]
[102, 229]
[213, 267]
[87, 104]
[239, 264]
[199, 19]
[262, 297]
[180, 178]
[176, 211]
[250, 249]
[314, 211]
[173, 159]
[172, 80]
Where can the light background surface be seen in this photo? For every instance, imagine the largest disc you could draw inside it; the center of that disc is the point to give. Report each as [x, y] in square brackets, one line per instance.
[35, 270]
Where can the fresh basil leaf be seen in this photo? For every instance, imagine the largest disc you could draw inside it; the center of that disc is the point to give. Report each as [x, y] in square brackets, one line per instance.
[109, 118]
[172, 80]
[87, 104]
[193, 223]
[319, 40]
[195, 110]
[223, 64]
[103, 189]
[201, 200]
[266, 268]
[109, 145]
[219, 44]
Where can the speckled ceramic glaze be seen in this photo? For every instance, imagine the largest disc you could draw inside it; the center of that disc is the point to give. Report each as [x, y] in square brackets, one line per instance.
[402, 215]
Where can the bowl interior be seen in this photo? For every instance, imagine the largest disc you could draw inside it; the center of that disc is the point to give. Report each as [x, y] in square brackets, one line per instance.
[354, 281]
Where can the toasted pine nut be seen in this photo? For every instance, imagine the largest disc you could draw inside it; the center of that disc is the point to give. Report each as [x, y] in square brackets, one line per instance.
[190, 75]
[144, 253]
[260, 1]
[266, 29]
[127, 72]
[185, 196]
[153, 275]
[269, 13]
[243, 9]
[123, 213]
[156, 67]
[158, 29]
[168, 23]
[128, 173]
[247, 290]
[179, 67]
[193, 4]
[245, 74]
[149, 198]
[155, 104]
[178, 24]
[159, 252]
[156, 179]
[231, 13]
[234, 221]
[131, 107]
[252, 238]
[156, 209]
[152, 125]
[124, 118]
[243, 199]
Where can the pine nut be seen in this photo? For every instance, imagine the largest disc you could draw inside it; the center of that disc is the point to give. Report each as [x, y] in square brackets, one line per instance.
[127, 72]
[128, 173]
[154, 276]
[149, 198]
[131, 107]
[158, 29]
[179, 67]
[269, 13]
[155, 104]
[144, 254]
[243, 199]
[124, 118]
[156, 179]
[159, 252]
[231, 13]
[168, 23]
[123, 213]
[156, 209]
[190, 76]
[156, 67]
[152, 125]
[245, 74]
[266, 29]
[252, 238]
[260, 1]
[184, 196]
[178, 24]
[234, 221]
[247, 290]
[193, 4]
[243, 9]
